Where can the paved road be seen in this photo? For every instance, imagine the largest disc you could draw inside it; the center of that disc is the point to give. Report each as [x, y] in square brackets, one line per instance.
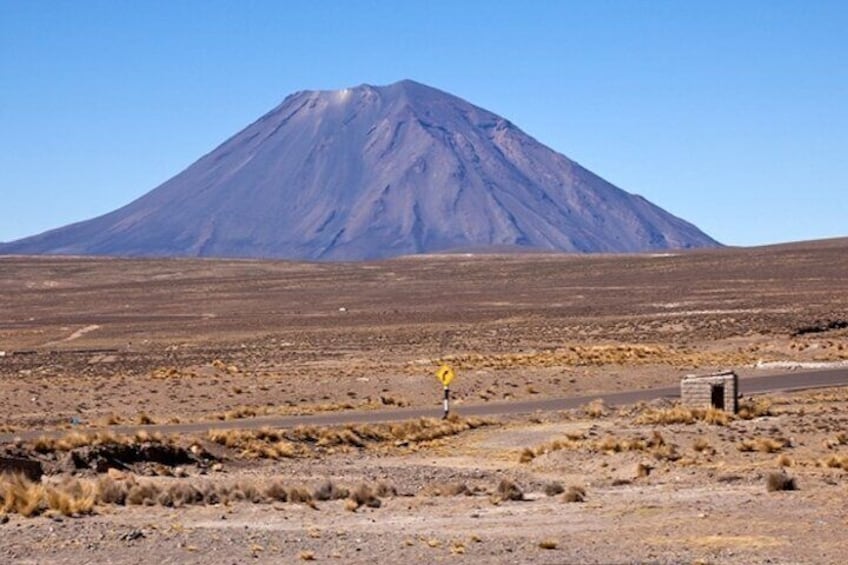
[748, 385]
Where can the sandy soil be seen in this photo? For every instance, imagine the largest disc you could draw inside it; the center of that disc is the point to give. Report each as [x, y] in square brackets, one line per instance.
[104, 341]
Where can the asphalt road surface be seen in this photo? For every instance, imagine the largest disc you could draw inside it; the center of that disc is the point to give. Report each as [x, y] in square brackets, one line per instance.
[748, 385]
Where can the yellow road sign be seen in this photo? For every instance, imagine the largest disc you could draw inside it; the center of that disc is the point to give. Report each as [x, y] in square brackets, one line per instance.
[445, 374]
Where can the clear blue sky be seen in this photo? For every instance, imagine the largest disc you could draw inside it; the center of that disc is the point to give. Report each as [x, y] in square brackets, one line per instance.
[732, 115]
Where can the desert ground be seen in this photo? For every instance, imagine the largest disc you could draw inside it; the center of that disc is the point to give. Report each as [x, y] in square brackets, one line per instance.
[101, 359]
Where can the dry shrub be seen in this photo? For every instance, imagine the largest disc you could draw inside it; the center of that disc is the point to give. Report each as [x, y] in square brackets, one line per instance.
[144, 419]
[251, 492]
[527, 455]
[574, 494]
[611, 444]
[762, 444]
[20, 495]
[548, 544]
[385, 490]
[183, 494]
[754, 408]
[270, 444]
[457, 548]
[329, 491]
[715, 417]
[701, 445]
[351, 505]
[554, 488]
[663, 416]
[301, 495]
[241, 412]
[146, 494]
[508, 490]
[836, 462]
[550, 447]
[364, 496]
[778, 481]
[110, 491]
[448, 489]
[27, 498]
[277, 491]
[306, 556]
[783, 460]
[596, 409]
[255, 444]
[840, 439]
[76, 440]
[683, 415]
[643, 470]
[666, 452]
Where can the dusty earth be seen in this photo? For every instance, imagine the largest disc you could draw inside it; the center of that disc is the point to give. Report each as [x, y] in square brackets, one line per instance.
[87, 344]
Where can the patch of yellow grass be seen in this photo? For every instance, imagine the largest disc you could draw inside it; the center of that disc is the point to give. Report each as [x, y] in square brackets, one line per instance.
[597, 355]
[21, 496]
[596, 409]
[683, 415]
[762, 444]
[548, 544]
[835, 462]
[75, 440]
[300, 441]
[755, 408]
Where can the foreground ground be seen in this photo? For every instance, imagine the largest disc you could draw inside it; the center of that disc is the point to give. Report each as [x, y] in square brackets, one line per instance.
[88, 344]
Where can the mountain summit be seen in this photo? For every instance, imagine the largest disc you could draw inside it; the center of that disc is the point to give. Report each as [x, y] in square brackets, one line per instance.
[372, 172]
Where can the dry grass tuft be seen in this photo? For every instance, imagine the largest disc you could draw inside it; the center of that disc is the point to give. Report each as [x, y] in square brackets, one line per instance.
[574, 494]
[21, 496]
[300, 441]
[701, 445]
[596, 409]
[643, 470]
[364, 496]
[715, 417]
[762, 445]
[79, 496]
[840, 439]
[76, 440]
[554, 488]
[276, 491]
[301, 495]
[448, 489]
[527, 455]
[784, 460]
[779, 481]
[836, 462]
[754, 408]
[666, 452]
[508, 490]
[683, 415]
[329, 491]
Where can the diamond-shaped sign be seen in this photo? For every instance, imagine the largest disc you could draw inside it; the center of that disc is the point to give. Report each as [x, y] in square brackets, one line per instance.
[445, 374]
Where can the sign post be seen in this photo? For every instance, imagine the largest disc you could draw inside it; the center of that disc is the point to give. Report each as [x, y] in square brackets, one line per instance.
[445, 374]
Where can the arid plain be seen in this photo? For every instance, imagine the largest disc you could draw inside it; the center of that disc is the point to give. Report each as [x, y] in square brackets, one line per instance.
[101, 359]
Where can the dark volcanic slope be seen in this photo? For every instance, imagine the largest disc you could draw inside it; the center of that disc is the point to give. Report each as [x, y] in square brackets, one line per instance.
[374, 172]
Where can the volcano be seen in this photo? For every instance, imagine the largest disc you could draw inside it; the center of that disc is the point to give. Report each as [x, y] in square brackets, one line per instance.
[374, 172]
